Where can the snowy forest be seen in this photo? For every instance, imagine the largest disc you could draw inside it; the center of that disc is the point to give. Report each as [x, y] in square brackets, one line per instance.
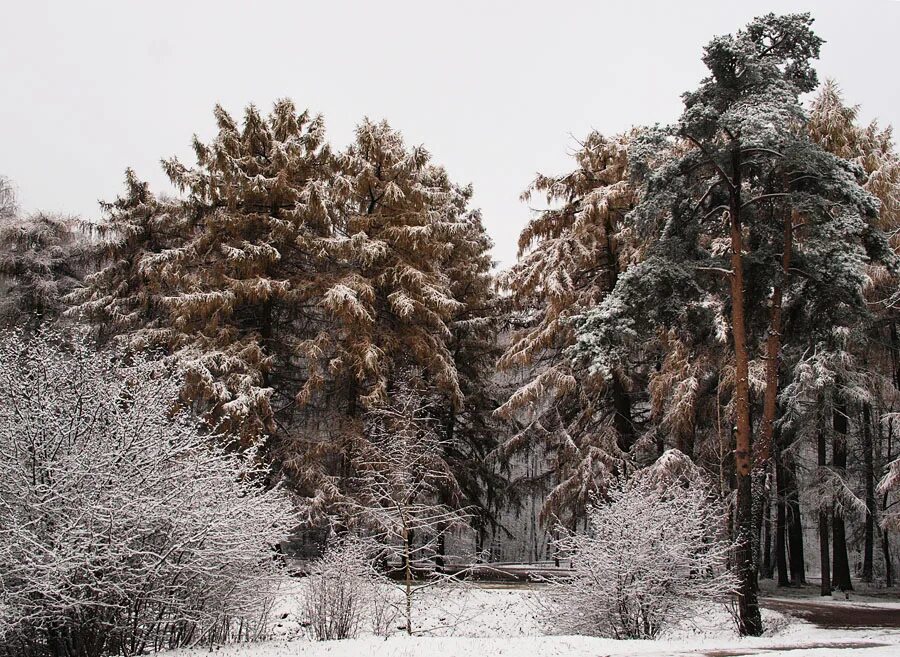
[302, 372]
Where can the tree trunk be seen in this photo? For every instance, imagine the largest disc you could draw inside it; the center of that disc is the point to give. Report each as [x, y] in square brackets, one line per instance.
[768, 567]
[840, 560]
[886, 553]
[749, 620]
[772, 358]
[773, 344]
[622, 421]
[796, 555]
[885, 542]
[407, 579]
[824, 557]
[780, 518]
[895, 354]
[869, 475]
[440, 560]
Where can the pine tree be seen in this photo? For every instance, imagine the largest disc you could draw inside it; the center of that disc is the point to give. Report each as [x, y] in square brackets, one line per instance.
[719, 206]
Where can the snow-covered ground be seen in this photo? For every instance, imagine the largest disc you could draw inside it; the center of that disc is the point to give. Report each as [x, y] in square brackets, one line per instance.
[499, 620]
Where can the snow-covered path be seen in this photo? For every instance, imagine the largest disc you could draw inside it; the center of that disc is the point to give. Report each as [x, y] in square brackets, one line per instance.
[838, 615]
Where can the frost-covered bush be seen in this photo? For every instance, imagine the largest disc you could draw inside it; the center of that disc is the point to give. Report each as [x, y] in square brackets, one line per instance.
[122, 529]
[342, 591]
[653, 554]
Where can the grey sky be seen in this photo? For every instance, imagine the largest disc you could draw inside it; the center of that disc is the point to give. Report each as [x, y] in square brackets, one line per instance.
[496, 90]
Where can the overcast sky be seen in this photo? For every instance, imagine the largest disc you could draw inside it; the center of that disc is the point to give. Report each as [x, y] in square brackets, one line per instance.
[495, 90]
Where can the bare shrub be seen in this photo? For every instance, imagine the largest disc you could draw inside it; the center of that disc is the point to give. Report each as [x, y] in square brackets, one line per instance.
[342, 591]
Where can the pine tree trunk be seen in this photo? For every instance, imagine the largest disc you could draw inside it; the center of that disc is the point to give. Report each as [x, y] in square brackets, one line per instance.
[772, 358]
[780, 519]
[824, 551]
[768, 568]
[796, 555]
[840, 560]
[773, 344]
[886, 553]
[885, 542]
[749, 620]
[869, 475]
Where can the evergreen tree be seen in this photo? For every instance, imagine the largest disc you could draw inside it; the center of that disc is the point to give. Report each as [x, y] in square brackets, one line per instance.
[720, 206]
[835, 126]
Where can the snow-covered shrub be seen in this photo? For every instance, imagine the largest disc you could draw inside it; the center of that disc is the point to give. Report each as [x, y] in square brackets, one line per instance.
[652, 555]
[343, 590]
[122, 529]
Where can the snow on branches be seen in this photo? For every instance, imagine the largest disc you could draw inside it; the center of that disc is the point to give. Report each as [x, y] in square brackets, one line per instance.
[890, 483]
[343, 590]
[121, 527]
[651, 556]
[570, 255]
[405, 495]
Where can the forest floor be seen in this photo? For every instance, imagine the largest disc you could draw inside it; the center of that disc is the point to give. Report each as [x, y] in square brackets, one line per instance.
[489, 620]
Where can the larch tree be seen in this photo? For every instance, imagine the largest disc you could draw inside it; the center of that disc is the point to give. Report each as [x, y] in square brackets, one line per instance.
[212, 277]
[393, 301]
[291, 283]
[410, 288]
[570, 256]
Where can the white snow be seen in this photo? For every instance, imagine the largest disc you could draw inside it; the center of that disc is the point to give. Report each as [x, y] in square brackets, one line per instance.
[497, 620]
